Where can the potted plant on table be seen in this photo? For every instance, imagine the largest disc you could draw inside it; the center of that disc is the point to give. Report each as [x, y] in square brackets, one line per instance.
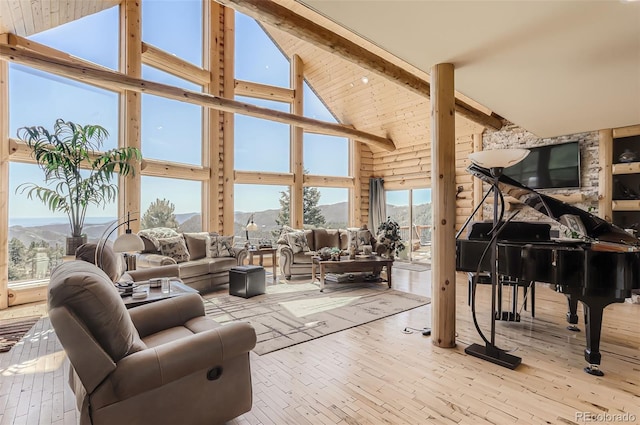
[389, 237]
[76, 173]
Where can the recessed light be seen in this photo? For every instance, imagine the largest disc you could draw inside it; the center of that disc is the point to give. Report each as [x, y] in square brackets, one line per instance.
[365, 80]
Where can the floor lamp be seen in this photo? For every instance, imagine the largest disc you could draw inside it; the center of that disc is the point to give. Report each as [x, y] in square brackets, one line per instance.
[495, 161]
[127, 243]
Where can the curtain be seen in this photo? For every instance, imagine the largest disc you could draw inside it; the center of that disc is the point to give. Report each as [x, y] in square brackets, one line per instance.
[377, 204]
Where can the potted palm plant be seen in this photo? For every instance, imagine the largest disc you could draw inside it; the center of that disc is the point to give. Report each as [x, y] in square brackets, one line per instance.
[76, 172]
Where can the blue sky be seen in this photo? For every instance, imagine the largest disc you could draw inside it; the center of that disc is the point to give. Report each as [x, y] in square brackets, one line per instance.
[171, 130]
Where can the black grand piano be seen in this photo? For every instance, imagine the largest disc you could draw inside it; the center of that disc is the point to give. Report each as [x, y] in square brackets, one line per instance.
[601, 268]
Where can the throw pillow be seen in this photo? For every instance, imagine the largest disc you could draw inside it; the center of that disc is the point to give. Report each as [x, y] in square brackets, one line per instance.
[197, 244]
[156, 233]
[297, 241]
[282, 240]
[220, 246]
[359, 237]
[174, 247]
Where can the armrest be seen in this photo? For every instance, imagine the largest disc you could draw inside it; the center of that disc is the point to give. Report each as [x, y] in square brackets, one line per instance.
[164, 314]
[154, 367]
[241, 254]
[153, 260]
[139, 275]
[286, 259]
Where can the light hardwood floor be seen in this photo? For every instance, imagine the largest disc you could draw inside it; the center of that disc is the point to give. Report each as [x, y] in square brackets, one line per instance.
[377, 374]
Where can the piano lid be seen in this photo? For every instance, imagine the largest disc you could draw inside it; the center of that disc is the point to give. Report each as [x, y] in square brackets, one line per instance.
[594, 227]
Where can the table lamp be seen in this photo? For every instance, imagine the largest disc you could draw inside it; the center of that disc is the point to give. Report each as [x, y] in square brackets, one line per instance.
[495, 161]
[251, 226]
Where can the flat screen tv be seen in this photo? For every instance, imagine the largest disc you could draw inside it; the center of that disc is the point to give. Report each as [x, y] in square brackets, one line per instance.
[550, 166]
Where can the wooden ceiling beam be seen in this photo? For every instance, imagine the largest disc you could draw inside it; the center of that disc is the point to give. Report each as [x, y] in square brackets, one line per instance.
[263, 91]
[167, 62]
[90, 73]
[286, 20]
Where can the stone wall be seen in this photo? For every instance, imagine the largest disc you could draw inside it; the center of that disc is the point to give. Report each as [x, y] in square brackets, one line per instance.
[512, 136]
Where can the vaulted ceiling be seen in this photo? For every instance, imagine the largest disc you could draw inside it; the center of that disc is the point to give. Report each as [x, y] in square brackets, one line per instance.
[552, 67]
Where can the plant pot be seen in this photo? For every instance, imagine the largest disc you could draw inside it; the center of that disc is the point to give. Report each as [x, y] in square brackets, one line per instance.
[73, 242]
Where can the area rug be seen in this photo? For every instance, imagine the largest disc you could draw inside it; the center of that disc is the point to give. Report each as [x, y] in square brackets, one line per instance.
[12, 331]
[290, 314]
[416, 267]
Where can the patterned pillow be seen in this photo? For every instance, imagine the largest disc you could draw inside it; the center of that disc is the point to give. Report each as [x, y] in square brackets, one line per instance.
[221, 246]
[359, 237]
[298, 242]
[156, 233]
[174, 247]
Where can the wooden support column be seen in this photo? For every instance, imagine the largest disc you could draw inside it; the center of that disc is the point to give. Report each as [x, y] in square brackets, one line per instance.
[477, 183]
[228, 73]
[443, 179]
[296, 213]
[131, 106]
[4, 184]
[212, 133]
[355, 193]
[605, 179]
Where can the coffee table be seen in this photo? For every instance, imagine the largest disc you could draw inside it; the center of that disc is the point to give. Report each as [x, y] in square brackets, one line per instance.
[374, 265]
[155, 294]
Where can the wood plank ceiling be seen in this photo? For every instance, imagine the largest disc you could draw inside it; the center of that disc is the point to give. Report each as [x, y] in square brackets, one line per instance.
[378, 106]
[26, 18]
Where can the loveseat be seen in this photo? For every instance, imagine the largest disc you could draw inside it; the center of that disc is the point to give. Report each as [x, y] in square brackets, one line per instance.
[296, 248]
[203, 259]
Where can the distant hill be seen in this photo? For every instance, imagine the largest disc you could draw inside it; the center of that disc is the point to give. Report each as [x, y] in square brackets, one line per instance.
[335, 216]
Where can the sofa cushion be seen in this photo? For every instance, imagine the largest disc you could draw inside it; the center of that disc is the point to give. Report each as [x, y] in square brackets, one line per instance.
[303, 257]
[90, 295]
[324, 238]
[221, 246]
[221, 264]
[298, 241]
[174, 247]
[197, 244]
[194, 268]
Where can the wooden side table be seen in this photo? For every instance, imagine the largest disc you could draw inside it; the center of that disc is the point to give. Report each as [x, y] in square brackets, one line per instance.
[261, 252]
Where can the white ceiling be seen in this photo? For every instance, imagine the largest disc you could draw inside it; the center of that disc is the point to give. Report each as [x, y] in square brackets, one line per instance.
[552, 67]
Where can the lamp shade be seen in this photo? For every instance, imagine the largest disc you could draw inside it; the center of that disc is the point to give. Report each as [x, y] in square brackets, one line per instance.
[128, 242]
[252, 227]
[499, 158]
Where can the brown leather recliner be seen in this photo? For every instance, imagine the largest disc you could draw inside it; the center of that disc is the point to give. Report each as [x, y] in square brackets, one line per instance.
[160, 363]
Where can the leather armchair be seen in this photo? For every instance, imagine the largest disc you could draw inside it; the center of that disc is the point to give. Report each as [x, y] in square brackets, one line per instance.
[160, 363]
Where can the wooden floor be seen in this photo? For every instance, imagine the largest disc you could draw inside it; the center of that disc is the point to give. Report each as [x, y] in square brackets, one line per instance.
[378, 374]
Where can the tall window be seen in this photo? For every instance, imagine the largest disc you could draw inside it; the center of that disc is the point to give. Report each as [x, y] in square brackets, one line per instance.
[174, 26]
[267, 204]
[412, 210]
[326, 207]
[257, 57]
[173, 203]
[261, 145]
[37, 98]
[171, 130]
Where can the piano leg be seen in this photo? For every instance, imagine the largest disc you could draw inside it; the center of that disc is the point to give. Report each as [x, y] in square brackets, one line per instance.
[593, 309]
[572, 314]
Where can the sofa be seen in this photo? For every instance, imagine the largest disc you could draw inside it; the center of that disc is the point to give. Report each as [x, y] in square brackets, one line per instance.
[160, 363]
[203, 259]
[296, 248]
